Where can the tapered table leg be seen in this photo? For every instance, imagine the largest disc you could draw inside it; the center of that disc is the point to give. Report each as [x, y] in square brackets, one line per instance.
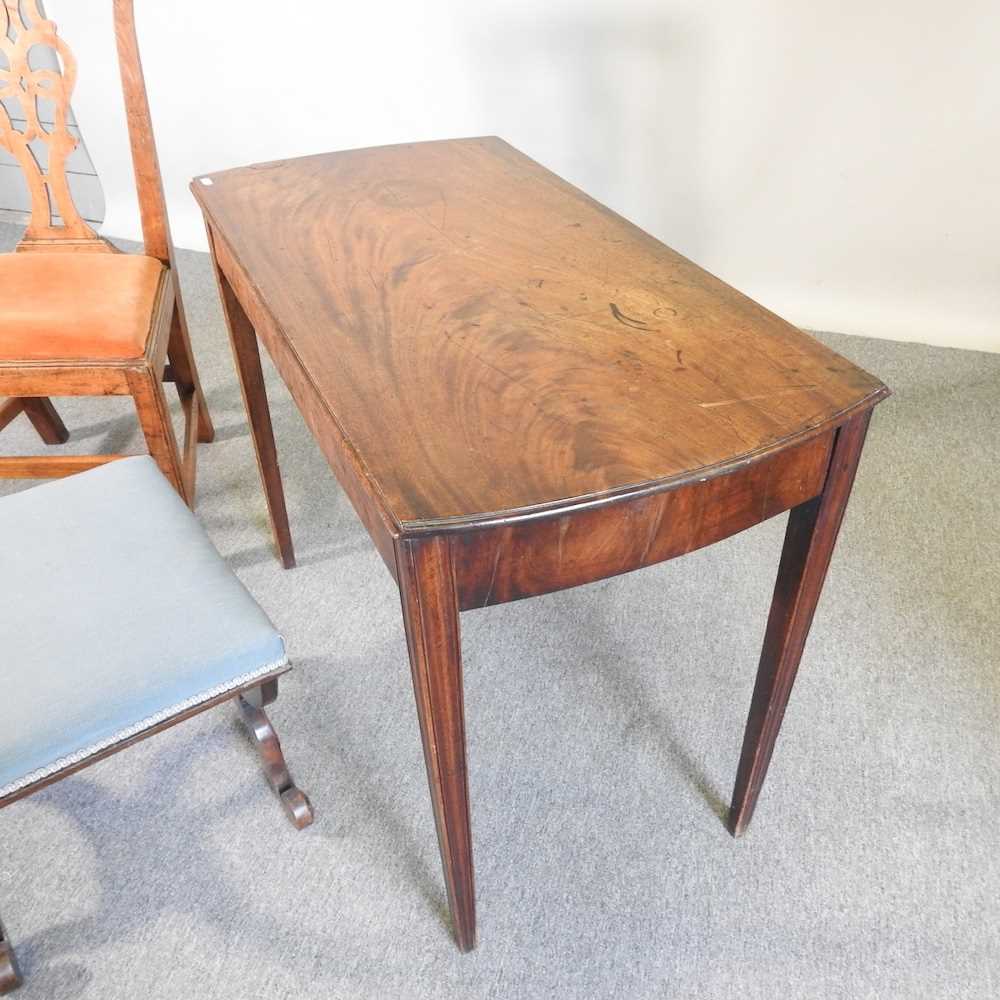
[246, 354]
[809, 542]
[430, 616]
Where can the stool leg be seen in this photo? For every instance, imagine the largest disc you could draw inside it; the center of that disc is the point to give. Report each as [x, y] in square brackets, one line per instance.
[10, 978]
[296, 804]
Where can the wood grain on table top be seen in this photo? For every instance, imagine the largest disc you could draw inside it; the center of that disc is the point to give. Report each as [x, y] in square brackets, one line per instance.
[489, 339]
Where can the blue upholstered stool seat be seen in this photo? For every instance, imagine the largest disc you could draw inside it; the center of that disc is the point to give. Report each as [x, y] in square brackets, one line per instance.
[116, 613]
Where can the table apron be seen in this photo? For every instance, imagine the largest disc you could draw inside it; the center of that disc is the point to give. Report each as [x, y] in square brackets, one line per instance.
[505, 563]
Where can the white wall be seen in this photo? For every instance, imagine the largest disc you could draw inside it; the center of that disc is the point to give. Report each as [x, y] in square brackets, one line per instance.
[838, 161]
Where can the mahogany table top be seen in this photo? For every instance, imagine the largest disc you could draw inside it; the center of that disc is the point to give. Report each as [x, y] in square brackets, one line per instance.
[492, 343]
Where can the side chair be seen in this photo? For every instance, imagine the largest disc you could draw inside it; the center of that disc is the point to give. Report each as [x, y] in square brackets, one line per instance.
[77, 317]
[120, 620]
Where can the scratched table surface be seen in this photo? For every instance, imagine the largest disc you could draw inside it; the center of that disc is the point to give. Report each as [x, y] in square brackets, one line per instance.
[491, 339]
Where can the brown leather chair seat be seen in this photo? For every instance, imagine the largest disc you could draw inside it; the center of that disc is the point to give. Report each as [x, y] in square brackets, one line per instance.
[76, 305]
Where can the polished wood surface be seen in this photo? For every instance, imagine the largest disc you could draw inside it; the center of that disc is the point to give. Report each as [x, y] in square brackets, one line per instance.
[534, 557]
[72, 353]
[520, 392]
[526, 345]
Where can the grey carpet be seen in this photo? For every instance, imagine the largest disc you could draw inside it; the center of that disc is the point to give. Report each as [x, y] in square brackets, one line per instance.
[604, 730]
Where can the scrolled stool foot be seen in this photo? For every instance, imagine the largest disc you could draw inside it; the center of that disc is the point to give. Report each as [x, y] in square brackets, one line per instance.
[297, 807]
[295, 802]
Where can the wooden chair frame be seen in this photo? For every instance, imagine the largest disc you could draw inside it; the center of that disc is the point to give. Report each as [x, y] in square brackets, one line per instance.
[56, 226]
[251, 699]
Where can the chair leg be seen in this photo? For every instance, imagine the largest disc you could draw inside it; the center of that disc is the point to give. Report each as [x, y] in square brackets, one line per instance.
[10, 977]
[44, 418]
[10, 409]
[296, 804]
[42, 414]
[154, 416]
[186, 371]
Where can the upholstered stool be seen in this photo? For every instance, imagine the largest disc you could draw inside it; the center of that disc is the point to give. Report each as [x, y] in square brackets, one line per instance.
[120, 619]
